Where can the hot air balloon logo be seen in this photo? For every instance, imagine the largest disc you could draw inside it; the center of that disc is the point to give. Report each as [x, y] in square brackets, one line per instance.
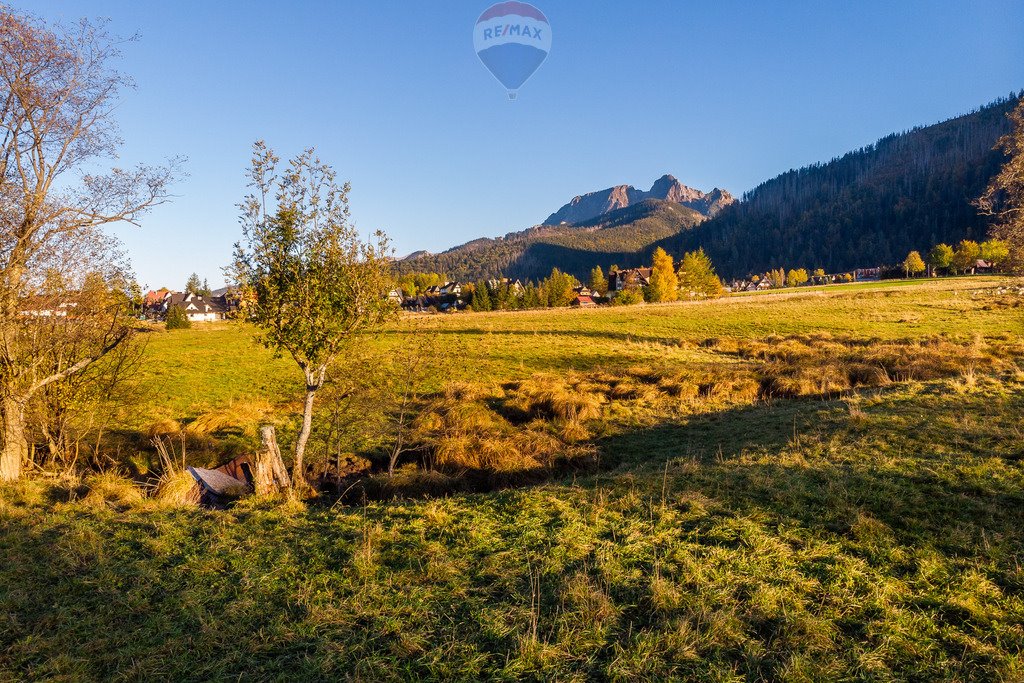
[512, 39]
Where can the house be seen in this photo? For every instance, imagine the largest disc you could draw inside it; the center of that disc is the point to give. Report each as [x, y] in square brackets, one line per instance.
[583, 302]
[196, 308]
[154, 299]
[395, 296]
[583, 290]
[515, 287]
[619, 280]
[447, 289]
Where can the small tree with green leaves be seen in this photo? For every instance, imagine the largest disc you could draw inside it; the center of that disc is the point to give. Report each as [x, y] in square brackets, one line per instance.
[312, 285]
[628, 297]
[995, 252]
[177, 319]
[913, 264]
[940, 257]
[559, 288]
[966, 256]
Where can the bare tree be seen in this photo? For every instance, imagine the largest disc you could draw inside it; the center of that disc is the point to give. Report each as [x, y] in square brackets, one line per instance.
[57, 93]
[1004, 197]
[307, 279]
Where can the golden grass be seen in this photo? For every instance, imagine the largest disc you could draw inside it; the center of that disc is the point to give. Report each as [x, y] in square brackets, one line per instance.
[111, 490]
[245, 416]
[176, 489]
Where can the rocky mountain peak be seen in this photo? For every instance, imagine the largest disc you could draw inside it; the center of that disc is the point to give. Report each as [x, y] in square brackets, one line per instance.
[666, 188]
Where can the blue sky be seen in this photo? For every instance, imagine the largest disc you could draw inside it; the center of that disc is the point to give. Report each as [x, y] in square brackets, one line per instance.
[721, 93]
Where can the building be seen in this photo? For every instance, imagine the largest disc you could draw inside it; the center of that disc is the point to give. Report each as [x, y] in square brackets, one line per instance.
[196, 308]
[619, 280]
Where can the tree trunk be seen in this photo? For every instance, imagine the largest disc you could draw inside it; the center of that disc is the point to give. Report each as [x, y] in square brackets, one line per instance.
[298, 471]
[269, 473]
[15, 447]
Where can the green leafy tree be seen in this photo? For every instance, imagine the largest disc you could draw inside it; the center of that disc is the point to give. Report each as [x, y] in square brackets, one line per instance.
[1004, 197]
[913, 264]
[597, 282]
[559, 288]
[664, 285]
[940, 257]
[966, 256]
[310, 283]
[177, 319]
[628, 297]
[995, 252]
[697, 277]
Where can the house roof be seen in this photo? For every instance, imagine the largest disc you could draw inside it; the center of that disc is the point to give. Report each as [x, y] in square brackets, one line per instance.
[193, 303]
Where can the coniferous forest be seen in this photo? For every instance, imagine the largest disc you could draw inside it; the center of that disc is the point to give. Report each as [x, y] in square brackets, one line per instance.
[867, 208]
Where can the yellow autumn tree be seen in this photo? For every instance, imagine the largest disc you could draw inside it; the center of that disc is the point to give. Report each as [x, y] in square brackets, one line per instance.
[664, 284]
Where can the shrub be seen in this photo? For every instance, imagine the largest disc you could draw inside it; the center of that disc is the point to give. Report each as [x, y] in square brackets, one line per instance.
[177, 319]
[628, 297]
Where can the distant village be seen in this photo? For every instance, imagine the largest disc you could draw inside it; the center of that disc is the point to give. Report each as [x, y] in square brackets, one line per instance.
[434, 293]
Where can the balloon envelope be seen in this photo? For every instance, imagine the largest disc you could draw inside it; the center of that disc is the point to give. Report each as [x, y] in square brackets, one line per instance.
[512, 39]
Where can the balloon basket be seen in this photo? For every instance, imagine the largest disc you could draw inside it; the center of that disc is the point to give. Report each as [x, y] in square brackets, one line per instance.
[512, 95]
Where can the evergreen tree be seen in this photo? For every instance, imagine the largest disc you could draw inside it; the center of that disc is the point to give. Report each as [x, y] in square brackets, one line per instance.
[481, 299]
[598, 283]
[697, 277]
[177, 319]
[194, 284]
[664, 282]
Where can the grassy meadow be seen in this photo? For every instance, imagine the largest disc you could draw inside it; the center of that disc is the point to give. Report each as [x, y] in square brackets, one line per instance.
[822, 485]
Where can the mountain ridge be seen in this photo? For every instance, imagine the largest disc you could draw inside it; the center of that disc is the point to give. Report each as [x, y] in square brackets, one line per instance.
[591, 205]
[867, 207]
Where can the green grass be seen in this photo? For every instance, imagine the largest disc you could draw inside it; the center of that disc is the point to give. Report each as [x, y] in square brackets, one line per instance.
[875, 535]
[188, 372]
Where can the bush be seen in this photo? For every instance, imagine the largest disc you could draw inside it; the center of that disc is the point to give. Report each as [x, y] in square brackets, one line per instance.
[628, 297]
[177, 319]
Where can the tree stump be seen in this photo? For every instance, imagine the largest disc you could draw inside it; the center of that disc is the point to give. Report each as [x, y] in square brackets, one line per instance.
[269, 473]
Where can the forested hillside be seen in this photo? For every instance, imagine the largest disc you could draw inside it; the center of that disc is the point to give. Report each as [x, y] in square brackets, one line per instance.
[627, 237]
[869, 207]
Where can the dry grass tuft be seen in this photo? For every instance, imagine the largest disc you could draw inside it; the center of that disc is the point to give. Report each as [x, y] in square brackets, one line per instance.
[163, 426]
[111, 490]
[244, 416]
[176, 489]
